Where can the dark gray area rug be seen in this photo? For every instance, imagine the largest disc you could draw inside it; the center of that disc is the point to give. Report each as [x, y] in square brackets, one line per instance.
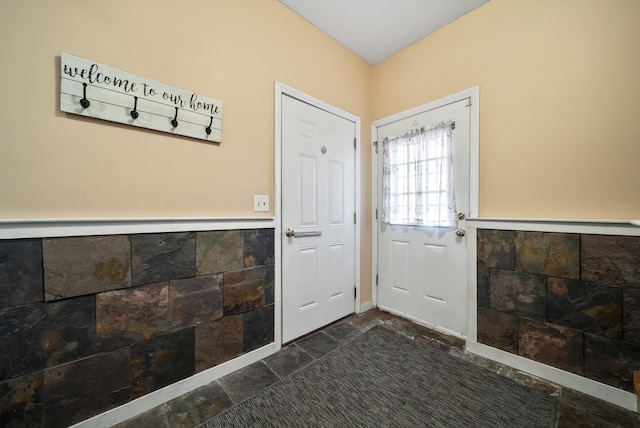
[383, 379]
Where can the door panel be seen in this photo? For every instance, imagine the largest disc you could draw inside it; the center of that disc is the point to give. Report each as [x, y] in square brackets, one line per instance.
[336, 202]
[318, 192]
[400, 279]
[422, 270]
[434, 258]
[307, 278]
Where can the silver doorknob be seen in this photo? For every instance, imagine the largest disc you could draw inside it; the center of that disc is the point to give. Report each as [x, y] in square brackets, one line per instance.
[290, 232]
[460, 232]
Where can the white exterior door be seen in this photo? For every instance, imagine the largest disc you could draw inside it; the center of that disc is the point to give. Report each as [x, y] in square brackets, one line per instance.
[318, 208]
[422, 270]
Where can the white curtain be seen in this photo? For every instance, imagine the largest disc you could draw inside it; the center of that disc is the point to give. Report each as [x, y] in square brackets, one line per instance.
[417, 175]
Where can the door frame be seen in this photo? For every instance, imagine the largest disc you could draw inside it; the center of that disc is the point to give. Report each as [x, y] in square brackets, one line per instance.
[474, 170]
[280, 90]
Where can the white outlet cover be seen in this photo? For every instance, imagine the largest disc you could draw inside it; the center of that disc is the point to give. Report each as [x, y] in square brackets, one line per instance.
[260, 203]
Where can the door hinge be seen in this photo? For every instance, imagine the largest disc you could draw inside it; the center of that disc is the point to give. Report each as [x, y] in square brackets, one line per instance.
[376, 213]
[376, 279]
[375, 145]
[469, 102]
[354, 143]
[355, 221]
[355, 292]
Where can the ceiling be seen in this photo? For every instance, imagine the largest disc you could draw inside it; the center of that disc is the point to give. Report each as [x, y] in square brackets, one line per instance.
[376, 29]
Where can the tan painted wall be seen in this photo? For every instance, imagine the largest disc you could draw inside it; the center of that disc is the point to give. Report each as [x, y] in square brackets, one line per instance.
[55, 165]
[59, 165]
[560, 91]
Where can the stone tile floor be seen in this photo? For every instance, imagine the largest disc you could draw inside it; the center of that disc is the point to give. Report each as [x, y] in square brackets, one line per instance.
[574, 409]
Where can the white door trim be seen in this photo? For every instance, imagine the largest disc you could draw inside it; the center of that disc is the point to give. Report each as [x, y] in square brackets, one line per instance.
[474, 170]
[282, 89]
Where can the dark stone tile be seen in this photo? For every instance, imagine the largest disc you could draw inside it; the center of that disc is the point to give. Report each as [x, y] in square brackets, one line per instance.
[21, 277]
[576, 409]
[551, 344]
[133, 315]
[498, 329]
[611, 259]
[496, 249]
[258, 328]
[21, 401]
[80, 389]
[248, 381]
[518, 293]
[288, 360]
[530, 381]
[198, 406]
[407, 328]
[85, 265]
[376, 313]
[341, 330]
[523, 378]
[586, 306]
[162, 257]
[154, 418]
[259, 247]
[219, 251]
[483, 362]
[269, 284]
[554, 254]
[218, 341]
[243, 290]
[483, 287]
[631, 314]
[318, 344]
[194, 301]
[162, 361]
[365, 321]
[611, 361]
[440, 340]
[45, 334]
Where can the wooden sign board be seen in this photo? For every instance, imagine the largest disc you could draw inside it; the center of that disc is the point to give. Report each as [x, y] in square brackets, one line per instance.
[96, 90]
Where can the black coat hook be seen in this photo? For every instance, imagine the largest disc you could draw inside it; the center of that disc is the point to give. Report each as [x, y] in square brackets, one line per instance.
[134, 112]
[174, 122]
[84, 102]
[208, 128]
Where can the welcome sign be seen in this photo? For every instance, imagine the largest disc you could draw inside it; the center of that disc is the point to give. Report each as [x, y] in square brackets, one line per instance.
[96, 90]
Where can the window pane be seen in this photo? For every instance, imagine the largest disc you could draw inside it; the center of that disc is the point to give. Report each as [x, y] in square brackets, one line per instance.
[418, 177]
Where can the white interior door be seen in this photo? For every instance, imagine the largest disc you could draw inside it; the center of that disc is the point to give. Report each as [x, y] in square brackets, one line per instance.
[422, 270]
[318, 208]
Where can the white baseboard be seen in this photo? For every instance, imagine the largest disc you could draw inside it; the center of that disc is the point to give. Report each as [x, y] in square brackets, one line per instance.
[579, 383]
[156, 398]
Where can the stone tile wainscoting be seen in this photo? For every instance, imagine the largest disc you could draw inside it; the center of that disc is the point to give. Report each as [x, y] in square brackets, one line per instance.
[570, 301]
[90, 323]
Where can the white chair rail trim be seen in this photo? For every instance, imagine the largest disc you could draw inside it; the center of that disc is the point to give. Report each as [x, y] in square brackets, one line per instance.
[49, 228]
[603, 227]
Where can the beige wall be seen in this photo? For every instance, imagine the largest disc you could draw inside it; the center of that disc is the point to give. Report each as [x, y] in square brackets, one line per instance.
[560, 89]
[58, 165]
[55, 165]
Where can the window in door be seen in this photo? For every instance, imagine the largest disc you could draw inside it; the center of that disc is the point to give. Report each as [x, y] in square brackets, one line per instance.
[418, 177]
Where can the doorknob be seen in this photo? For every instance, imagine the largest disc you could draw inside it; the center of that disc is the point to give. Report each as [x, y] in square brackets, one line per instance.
[461, 216]
[290, 232]
[460, 232]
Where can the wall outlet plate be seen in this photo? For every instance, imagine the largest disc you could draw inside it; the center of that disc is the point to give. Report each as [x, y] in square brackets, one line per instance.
[260, 202]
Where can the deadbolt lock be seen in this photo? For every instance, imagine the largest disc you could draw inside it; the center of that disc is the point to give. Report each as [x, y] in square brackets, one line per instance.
[461, 216]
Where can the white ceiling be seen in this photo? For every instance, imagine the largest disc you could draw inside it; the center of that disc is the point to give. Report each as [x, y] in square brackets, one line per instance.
[376, 29]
